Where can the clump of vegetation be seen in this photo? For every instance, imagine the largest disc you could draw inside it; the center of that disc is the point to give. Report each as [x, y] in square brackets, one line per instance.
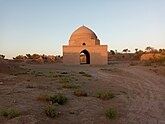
[58, 98]
[85, 74]
[10, 112]
[70, 86]
[52, 75]
[30, 86]
[80, 92]
[158, 61]
[51, 111]
[81, 72]
[35, 73]
[111, 113]
[43, 97]
[64, 72]
[65, 79]
[105, 95]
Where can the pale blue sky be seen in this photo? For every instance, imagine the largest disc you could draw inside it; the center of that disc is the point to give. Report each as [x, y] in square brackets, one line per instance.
[43, 26]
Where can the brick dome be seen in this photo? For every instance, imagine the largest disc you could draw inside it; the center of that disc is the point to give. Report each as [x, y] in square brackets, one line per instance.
[83, 33]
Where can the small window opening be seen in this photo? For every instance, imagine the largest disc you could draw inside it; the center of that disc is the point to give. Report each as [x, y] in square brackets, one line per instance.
[84, 44]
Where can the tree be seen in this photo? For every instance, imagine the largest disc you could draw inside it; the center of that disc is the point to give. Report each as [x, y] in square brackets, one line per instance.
[162, 51]
[151, 50]
[116, 51]
[136, 50]
[28, 56]
[112, 52]
[126, 50]
[2, 56]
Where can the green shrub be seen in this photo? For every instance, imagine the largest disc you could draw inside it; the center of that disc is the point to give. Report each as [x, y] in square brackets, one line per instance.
[111, 113]
[105, 95]
[80, 92]
[10, 112]
[70, 85]
[51, 112]
[58, 98]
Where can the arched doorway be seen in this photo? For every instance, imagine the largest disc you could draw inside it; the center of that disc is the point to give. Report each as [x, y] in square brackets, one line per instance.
[84, 57]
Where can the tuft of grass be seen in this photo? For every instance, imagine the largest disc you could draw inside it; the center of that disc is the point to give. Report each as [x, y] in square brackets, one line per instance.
[43, 97]
[65, 79]
[36, 73]
[30, 86]
[51, 111]
[64, 72]
[80, 92]
[81, 72]
[105, 95]
[111, 113]
[69, 86]
[59, 98]
[10, 112]
[85, 74]
[52, 75]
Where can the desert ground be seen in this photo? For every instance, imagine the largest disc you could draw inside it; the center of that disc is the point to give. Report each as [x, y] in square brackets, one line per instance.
[139, 93]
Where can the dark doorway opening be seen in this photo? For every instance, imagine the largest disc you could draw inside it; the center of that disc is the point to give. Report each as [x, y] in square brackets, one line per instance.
[84, 57]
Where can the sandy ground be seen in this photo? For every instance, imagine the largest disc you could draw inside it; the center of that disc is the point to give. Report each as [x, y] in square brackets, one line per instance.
[139, 93]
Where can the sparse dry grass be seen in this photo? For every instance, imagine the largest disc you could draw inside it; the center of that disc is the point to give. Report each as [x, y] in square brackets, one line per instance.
[80, 92]
[43, 97]
[105, 95]
[69, 86]
[11, 112]
[85, 74]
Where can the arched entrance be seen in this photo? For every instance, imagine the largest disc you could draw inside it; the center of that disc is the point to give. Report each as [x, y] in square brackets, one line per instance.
[84, 57]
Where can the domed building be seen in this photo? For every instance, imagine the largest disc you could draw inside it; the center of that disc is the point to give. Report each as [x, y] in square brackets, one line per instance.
[84, 48]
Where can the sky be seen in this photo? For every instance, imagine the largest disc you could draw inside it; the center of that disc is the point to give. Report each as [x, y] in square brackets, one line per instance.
[43, 26]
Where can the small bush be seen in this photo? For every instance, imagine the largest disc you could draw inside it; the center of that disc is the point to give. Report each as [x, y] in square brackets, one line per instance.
[51, 112]
[58, 98]
[43, 97]
[81, 72]
[80, 92]
[70, 85]
[30, 86]
[111, 113]
[35, 73]
[10, 112]
[65, 79]
[85, 74]
[52, 75]
[105, 95]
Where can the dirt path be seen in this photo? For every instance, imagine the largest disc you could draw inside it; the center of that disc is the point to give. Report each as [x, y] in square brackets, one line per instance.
[146, 94]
